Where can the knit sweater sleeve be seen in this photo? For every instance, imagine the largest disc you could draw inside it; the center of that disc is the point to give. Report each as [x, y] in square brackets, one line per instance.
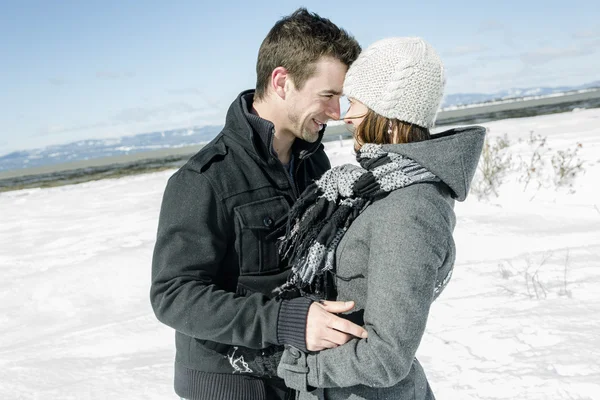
[407, 246]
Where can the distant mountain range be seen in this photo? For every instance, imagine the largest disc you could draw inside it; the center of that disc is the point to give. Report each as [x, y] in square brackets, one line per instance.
[98, 148]
[474, 98]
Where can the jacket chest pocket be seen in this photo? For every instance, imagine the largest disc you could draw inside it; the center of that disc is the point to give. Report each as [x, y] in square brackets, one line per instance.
[257, 227]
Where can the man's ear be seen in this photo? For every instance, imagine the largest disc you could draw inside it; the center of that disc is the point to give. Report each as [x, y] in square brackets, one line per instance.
[280, 81]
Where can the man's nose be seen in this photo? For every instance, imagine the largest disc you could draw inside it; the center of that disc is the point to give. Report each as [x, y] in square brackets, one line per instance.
[333, 111]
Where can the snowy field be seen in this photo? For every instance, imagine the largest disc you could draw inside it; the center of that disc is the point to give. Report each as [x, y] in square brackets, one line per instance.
[519, 320]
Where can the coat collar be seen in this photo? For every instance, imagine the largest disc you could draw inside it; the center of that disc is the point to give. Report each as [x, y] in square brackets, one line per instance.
[256, 134]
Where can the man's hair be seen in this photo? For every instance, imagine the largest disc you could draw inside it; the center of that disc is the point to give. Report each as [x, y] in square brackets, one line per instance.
[297, 42]
[376, 128]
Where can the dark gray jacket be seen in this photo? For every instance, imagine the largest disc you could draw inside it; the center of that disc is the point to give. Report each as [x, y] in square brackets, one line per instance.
[215, 260]
[390, 262]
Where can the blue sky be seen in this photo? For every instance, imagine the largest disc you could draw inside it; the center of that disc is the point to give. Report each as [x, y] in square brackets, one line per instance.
[73, 70]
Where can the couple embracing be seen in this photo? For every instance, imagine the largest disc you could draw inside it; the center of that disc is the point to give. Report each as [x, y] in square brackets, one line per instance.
[285, 278]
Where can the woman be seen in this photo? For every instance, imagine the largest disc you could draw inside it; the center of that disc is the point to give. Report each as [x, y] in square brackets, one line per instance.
[381, 234]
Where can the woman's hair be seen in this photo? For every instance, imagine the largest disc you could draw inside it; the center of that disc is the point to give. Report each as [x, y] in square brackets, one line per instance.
[375, 128]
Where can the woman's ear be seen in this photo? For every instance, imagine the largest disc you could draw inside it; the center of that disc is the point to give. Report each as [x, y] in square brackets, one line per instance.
[392, 132]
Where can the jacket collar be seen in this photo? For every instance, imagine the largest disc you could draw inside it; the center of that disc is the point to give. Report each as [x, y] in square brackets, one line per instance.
[256, 134]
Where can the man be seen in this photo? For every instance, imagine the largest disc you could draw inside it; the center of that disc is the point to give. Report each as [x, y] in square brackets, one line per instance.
[215, 262]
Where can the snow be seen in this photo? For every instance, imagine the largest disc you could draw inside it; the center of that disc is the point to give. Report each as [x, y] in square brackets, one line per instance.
[519, 319]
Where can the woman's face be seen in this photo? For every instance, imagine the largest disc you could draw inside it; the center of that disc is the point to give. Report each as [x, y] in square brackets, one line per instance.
[355, 114]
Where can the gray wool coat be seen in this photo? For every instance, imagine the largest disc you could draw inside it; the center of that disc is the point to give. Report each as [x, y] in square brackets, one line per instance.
[394, 260]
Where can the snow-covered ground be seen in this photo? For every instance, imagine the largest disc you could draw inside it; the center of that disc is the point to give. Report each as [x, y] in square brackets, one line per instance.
[519, 320]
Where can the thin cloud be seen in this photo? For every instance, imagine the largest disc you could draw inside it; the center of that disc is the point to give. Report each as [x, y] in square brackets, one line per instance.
[58, 129]
[57, 81]
[210, 101]
[588, 34]
[490, 25]
[144, 114]
[186, 91]
[466, 50]
[456, 70]
[548, 54]
[112, 75]
[497, 57]
[525, 76]
[593, 44]
[143, 118]
[494, 25]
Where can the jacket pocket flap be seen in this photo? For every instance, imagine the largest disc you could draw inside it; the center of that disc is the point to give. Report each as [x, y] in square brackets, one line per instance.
[263, 214]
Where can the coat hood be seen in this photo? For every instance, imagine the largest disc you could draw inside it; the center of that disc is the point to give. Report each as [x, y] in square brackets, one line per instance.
[452, 156]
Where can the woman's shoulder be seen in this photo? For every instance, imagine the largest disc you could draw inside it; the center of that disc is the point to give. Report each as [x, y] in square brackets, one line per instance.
[417, 195]
[431, 199]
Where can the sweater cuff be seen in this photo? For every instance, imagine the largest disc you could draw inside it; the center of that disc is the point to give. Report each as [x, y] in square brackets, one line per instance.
[291, 323]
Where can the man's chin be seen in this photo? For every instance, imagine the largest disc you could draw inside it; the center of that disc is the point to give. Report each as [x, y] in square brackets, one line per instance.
[310, 137]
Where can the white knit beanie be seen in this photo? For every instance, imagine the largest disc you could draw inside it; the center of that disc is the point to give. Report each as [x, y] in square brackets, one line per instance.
[399, 78]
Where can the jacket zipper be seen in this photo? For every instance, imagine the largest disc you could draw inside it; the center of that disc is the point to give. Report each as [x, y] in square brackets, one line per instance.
[293, 183]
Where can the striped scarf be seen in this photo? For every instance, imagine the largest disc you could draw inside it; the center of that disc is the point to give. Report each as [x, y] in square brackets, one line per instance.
[325, 210]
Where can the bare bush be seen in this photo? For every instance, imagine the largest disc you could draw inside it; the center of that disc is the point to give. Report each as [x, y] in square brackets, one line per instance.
[494, 164]
[532, 278]
[533, 167]
[567, 166]
[541, 165]
[537, 276]
[505, 272]
[563, 290]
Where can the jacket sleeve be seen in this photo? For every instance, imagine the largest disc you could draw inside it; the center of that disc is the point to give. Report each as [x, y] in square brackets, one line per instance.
[188, 257]
[405, 253]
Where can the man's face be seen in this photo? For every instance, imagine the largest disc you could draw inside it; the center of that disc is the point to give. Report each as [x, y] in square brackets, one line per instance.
[309, 108]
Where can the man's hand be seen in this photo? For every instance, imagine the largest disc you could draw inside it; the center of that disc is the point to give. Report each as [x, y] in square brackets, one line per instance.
[324, 330]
